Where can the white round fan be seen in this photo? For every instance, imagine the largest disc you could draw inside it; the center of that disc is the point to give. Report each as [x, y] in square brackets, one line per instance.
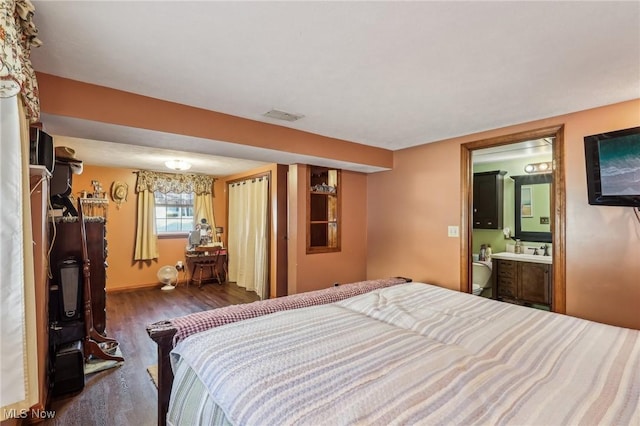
[168, 275]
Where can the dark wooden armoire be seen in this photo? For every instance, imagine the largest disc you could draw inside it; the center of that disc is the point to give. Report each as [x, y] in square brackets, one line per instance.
[68, 244]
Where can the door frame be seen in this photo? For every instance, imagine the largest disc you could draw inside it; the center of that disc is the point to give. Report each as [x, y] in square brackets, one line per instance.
[558, 206]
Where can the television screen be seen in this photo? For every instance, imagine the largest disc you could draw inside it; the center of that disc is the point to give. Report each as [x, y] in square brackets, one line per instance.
[613, 168]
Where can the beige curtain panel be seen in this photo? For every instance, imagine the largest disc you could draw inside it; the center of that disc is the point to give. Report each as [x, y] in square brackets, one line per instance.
[146, 235]
[18, 346]
[247, 235]
[203, 209]
[19, 105]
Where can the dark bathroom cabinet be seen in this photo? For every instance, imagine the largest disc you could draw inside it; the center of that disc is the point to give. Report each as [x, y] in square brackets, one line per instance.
[522, 283]
[488, 204]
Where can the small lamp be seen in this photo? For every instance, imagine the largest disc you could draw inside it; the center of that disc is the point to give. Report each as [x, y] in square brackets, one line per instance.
[219, 231]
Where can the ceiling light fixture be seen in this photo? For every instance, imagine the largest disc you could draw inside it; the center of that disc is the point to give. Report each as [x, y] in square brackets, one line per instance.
[544, 167]
[178, 165]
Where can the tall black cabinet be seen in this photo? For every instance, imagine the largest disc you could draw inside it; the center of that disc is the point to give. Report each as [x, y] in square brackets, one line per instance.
[68, 244]
[488, 199]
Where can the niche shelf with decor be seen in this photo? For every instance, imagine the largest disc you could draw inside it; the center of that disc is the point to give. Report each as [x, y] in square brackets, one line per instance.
[323, 210]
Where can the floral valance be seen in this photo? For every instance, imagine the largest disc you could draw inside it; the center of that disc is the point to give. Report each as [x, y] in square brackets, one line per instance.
[177, 183]
[18, 34]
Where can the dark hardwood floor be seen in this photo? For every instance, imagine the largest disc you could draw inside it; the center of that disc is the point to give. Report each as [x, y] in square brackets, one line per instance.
[126, 395]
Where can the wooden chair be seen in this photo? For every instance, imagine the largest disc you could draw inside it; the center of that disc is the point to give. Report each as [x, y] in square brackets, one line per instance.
[209, 261]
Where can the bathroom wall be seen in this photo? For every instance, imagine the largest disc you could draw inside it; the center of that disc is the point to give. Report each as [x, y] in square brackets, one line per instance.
[514, 167]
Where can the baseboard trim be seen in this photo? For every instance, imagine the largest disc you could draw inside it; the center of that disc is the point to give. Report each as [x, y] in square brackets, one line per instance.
[133, 288]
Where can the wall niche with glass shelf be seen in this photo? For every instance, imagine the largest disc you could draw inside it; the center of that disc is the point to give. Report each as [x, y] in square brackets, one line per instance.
[323, 209]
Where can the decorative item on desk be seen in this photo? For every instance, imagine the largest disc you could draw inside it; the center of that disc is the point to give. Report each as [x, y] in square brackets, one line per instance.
[194, 239]
[219, 232]
[205, 231]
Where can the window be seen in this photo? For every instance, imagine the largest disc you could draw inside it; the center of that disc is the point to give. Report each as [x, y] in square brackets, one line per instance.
[174, 212]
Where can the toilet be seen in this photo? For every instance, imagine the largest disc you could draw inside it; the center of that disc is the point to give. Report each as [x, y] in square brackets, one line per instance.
[481, 277]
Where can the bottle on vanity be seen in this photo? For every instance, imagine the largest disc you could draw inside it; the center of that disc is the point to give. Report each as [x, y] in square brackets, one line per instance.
[482, 256]
[488, 252]
[517, 249]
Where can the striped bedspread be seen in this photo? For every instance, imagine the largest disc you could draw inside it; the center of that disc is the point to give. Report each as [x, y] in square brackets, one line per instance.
[414, 354]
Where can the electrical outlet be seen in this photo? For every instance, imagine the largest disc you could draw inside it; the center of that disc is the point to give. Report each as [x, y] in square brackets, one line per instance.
[453, 231]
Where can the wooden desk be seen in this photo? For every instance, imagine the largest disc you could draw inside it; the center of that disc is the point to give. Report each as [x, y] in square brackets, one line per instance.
[201, 267]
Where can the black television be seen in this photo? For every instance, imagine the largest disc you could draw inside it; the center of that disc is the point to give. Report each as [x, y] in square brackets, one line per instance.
[613, 168]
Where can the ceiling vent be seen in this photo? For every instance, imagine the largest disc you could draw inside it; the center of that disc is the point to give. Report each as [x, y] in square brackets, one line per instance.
[281, 115]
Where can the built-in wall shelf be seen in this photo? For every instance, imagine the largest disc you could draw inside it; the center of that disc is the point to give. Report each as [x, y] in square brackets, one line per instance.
[323, 210]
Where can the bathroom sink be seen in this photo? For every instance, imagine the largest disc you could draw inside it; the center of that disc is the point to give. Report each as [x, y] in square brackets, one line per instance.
[505, 255]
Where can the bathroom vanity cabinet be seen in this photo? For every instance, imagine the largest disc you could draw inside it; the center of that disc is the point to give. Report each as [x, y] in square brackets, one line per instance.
[522, 283]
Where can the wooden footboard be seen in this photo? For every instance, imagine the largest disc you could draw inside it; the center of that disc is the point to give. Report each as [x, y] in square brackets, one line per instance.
[162, 334]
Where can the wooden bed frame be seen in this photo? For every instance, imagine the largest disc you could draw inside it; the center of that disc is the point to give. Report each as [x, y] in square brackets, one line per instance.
[163, 333]
[163, 336]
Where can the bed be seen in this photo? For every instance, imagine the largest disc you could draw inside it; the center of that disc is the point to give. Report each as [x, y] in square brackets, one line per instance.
[407, 353]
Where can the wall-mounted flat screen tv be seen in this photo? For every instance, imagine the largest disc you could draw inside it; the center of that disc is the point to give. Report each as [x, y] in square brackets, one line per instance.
[613, 168]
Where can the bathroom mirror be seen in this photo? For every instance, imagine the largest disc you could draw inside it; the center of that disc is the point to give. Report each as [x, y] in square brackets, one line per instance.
[532, 207]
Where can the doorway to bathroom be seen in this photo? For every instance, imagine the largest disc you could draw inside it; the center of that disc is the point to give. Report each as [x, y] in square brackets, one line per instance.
[505, 182]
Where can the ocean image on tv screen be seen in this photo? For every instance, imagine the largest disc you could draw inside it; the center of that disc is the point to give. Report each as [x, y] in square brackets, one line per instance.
[620, 165]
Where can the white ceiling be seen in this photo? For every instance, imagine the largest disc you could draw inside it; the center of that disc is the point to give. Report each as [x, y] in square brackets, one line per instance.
[527, 149]
[387, 74]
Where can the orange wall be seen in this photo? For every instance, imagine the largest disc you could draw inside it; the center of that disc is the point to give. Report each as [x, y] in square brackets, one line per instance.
[123, 272]
[316, 271]
[410, 207]
[220, 207]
